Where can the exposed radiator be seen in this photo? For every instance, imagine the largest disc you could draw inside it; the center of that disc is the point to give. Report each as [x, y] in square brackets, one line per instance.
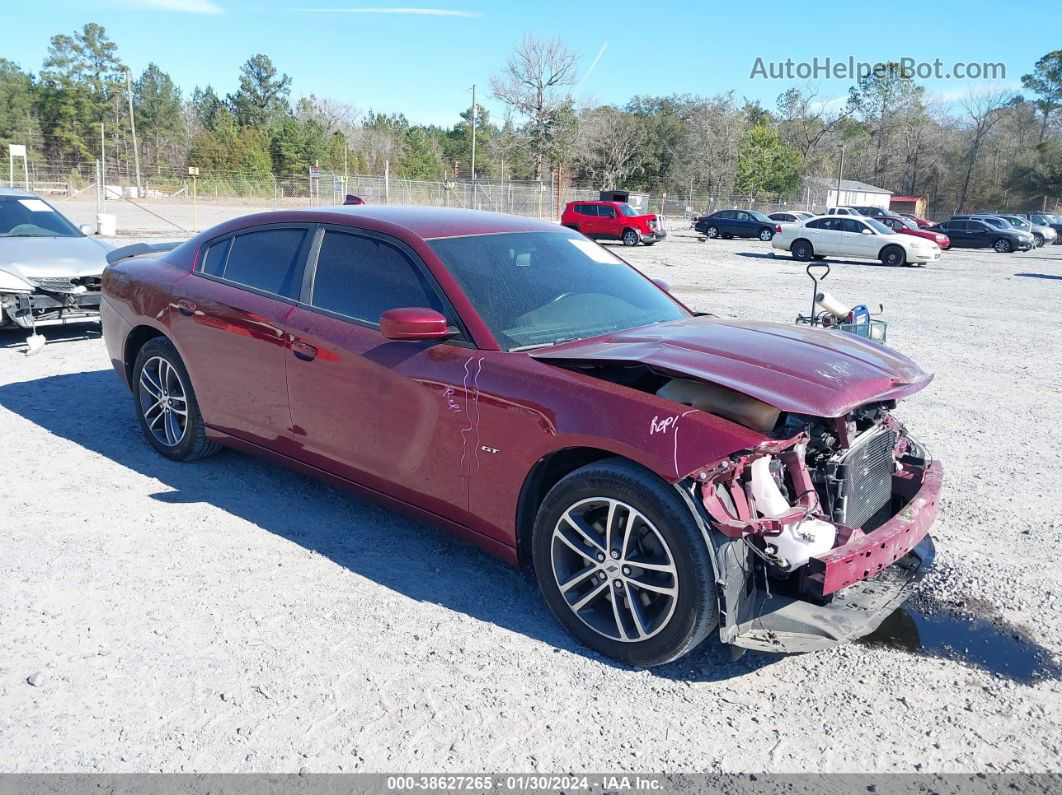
[862, 480]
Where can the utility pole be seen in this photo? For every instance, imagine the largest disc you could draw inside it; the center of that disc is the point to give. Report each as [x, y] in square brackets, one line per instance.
[103, 164]
[132, 129]
[840, 171]
[474, 115]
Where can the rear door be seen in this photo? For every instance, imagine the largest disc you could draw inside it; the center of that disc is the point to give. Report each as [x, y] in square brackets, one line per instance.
[588, 220]
[228, 323]
[393, 416]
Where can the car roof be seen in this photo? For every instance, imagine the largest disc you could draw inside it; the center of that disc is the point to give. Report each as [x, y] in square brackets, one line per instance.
[22, 194]
[431, 222]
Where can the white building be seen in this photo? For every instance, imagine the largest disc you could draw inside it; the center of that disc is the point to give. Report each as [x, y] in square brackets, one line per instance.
[852, 194]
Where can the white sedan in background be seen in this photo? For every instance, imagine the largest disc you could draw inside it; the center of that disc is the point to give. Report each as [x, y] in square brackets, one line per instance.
[851, 236]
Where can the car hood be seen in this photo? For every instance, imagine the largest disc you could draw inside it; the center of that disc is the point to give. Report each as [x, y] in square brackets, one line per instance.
[37, 257]
[793, 368]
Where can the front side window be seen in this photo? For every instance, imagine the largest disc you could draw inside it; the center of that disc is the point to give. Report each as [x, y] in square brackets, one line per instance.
[268, 260]
[878, 226]
[541, 288]
[361, 278]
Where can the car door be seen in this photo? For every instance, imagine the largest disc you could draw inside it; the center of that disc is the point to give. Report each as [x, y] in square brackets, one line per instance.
[389, 415]
[979, 234]
[609, 223]
[859, 240]
[227, 321]
[588, 221]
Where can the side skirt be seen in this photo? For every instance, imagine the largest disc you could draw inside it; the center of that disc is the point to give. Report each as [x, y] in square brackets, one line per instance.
[491, 545]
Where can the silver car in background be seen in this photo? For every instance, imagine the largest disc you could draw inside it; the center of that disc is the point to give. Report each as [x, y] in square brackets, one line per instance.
[49, 268]
[1041, 234]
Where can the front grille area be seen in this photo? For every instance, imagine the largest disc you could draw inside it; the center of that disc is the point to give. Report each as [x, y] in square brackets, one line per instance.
[65, 284]
[863, 480]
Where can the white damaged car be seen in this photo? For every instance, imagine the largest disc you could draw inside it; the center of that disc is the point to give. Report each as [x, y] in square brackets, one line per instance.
[49, 268]
[853, 236]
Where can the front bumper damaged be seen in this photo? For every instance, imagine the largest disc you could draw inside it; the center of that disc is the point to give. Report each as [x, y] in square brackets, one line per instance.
[838, 596]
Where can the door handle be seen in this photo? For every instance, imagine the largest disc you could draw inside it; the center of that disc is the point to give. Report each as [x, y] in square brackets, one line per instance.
[186, 307]
[304, 351]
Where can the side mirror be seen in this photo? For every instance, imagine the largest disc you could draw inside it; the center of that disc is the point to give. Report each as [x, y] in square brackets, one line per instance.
[413, 324]
[662, 285]
[867, 231]
[87, 229]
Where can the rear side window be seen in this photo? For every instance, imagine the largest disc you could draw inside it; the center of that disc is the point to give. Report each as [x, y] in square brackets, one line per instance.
[362, 278]
[586, 209]
[267, 260]
[214, 257]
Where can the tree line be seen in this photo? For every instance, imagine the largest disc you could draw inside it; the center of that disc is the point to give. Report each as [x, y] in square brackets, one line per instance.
[986, 149]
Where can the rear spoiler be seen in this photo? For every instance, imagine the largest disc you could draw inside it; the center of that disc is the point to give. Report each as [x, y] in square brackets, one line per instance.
[138, 250]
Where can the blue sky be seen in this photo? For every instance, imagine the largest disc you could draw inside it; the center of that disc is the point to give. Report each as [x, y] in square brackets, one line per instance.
[420, 56]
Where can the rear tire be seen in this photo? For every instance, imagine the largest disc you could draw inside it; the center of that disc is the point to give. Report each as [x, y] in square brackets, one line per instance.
[711, 232]
[674, 603]
[802, 251]
[165, 403]
[766, 234]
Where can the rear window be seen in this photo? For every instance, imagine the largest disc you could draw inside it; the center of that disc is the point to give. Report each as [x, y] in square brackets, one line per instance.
[266, 260]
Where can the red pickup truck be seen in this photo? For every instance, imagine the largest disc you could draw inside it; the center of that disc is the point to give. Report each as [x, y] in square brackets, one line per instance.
[613, 221]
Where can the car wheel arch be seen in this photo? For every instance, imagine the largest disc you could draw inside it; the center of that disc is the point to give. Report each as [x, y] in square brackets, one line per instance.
[134, 341]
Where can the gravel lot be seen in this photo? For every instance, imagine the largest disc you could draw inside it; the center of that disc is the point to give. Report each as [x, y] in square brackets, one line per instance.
[232, 616]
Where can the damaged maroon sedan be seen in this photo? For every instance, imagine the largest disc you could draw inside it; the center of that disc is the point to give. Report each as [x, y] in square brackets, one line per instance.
[665, 473]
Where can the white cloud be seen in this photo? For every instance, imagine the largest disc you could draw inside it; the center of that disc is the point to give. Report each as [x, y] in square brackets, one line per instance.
[423, 12]
[183, 6]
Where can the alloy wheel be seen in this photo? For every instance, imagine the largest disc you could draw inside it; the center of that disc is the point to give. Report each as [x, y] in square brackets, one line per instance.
[163, 401]
[766, 234]
[711, 232]
[614, 569]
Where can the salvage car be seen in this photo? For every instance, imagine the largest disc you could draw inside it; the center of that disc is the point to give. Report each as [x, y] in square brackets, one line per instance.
[853, 236]
[49, 268]
[614, 220]
[665, 473]
[905, 226]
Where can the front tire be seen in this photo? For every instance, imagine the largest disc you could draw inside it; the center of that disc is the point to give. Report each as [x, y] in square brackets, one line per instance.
[630, 237]
[1003, 246]
[165, 403]
[893, 256]
[1038, 239]
[622, 564]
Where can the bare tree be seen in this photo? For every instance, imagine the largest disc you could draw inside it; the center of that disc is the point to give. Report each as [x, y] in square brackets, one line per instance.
[533, 83]
[984, 111]
[610, 147]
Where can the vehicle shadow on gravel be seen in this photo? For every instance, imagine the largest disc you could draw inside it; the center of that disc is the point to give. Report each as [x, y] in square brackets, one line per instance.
[382, 545]
[1039, 276]
[72, 332]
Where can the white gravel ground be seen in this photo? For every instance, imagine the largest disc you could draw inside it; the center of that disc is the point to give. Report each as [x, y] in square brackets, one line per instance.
[231, 616]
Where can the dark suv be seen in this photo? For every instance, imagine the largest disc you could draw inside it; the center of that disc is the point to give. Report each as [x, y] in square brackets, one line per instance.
[613, 221]
[736, 223]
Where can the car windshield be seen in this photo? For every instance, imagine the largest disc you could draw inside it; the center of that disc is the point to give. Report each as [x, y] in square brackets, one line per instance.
[907, 222]
[542, 288]
[31, 217]
[760, 217]
[878, 226]
[626, 209]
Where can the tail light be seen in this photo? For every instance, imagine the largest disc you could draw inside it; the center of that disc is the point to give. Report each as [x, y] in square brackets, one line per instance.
[778, 229]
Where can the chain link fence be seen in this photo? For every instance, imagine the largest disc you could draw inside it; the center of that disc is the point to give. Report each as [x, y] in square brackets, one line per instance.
[527, 198]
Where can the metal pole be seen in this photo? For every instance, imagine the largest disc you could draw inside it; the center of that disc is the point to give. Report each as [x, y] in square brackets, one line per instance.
[103, 165]
[132, 129]
[195, 206]
[840, 172]
[99, 190]
[474, 116]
